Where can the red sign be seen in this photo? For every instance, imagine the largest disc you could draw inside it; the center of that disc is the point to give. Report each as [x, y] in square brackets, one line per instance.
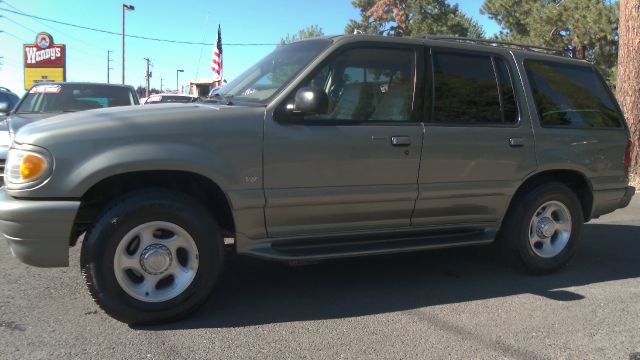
[44, 53]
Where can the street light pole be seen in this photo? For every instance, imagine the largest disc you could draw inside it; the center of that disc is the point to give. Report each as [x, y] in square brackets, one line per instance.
[161, 80]
[177, 83]
[124, 8]
[109, 68]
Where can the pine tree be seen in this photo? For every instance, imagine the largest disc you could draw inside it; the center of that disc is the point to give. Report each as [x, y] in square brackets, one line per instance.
[306, 33]
[412, 18]
[586, 28]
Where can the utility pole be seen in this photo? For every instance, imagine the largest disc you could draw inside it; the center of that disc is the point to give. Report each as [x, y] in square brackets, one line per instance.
[148, 74]
[177, 83]
[130, 8]
[109, 68]
[161, 80]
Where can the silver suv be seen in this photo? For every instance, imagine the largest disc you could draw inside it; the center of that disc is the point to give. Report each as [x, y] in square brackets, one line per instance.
[326, 148]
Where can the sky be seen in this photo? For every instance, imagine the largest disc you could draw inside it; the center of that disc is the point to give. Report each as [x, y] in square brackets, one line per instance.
[242, 22]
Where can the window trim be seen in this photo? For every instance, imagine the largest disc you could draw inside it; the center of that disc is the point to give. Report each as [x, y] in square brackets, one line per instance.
[607, 90]
[281, 117]
[492, 55]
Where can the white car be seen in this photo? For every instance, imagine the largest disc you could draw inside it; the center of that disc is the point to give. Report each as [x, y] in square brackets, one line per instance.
[168, 98]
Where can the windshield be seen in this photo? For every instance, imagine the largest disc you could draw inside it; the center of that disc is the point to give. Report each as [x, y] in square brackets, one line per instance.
[274, 71]
[48, 98]
[154, 99]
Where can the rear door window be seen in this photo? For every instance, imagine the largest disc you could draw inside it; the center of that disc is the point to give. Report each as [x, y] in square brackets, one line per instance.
[571, 96]
[472, 89]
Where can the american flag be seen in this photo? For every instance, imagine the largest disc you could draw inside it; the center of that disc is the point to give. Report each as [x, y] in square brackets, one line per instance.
[216, 58]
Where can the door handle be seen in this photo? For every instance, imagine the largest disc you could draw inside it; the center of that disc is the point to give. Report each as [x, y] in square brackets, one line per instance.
[516, 142]
[400, 140]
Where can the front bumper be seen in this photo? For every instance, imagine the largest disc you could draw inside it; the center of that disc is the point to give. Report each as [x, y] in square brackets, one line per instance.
[38, 231]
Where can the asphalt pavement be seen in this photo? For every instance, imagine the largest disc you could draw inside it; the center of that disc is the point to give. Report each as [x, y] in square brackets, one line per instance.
[461, 303]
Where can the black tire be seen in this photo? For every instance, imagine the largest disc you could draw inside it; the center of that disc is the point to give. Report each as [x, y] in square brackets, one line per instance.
[513, 238]
[102, 239]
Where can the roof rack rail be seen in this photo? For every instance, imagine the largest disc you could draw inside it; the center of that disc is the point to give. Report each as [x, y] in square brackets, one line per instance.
[506, 44]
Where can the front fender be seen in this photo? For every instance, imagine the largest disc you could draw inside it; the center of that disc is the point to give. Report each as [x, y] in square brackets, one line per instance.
[149, 157]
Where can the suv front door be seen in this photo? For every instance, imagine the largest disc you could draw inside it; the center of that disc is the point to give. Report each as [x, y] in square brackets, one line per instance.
[356, 167]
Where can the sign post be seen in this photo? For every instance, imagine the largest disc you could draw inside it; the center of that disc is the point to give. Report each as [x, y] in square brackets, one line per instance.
[44, 61]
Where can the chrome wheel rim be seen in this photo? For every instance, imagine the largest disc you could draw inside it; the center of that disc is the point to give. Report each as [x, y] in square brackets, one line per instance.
[156, 261]
[550, 229]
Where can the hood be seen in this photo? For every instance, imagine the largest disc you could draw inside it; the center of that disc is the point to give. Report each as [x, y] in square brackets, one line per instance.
[133, 122]
[16, 121]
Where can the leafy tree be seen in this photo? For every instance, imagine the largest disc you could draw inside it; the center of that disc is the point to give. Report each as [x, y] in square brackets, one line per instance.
[142, 91]
[586, 28]
[306, 33]
[628, 89]
[412, 17]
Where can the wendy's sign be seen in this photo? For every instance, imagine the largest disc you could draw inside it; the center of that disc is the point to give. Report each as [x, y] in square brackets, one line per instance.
[44, 61]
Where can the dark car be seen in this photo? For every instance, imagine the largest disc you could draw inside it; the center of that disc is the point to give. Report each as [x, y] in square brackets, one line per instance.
[50, 99]
[7, 101]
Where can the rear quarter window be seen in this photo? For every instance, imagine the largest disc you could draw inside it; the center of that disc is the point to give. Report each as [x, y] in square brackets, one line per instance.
[571, 96]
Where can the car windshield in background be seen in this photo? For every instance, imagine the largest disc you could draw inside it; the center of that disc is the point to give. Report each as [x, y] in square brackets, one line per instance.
[155, 99]
[271, 73]
[47, 98]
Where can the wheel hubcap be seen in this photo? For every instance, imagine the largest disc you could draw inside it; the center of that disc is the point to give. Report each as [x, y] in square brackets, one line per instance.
[546, 228]
[550, 229]
[156, 261]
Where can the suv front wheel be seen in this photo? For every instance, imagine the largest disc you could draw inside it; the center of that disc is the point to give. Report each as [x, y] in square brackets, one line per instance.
[153, 256]
[542, 228]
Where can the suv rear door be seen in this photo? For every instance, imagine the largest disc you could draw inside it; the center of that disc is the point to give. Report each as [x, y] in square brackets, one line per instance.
[478, 144]
[355, 168]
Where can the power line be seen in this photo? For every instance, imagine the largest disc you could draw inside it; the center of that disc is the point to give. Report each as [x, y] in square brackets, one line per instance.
[30, 30]
[49, 26]
[16, 23]
[127, 35]
[13, 36]
[90, 46]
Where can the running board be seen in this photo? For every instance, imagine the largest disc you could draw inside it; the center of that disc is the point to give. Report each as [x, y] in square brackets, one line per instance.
[331, 248]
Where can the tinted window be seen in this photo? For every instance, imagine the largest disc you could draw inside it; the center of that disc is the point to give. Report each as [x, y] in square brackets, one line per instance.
[12, 99]
[466, 90]
[47, 98]
[368, 85]
[508, 97]
[571, 96]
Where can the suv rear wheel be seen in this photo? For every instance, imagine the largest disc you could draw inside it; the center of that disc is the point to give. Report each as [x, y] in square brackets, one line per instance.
[542, 228]
[153, 256]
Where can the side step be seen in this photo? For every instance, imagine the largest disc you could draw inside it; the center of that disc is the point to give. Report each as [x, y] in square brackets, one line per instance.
[364, 245]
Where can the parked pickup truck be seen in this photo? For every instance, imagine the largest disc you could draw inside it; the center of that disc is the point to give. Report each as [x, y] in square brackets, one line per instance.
[331, 147]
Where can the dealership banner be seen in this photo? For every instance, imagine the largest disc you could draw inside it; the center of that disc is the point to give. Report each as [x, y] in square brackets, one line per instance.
[44, 61]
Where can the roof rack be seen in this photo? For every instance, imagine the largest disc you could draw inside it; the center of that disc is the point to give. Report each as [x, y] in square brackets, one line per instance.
[506, 44]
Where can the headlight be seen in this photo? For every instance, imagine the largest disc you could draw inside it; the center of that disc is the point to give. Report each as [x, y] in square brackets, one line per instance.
[25, 166]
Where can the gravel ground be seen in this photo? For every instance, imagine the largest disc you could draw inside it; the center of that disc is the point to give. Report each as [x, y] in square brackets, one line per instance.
[459, 303]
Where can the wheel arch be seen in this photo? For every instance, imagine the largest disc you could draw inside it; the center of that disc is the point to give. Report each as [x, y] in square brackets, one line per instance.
[574, 180]
[199, 187]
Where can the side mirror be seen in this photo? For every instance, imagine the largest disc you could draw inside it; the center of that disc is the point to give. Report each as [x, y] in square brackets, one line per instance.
[310, 100]
[4, 108]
